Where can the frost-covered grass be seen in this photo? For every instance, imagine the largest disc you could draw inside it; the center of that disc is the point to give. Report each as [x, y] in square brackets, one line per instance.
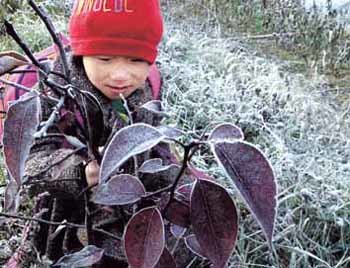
[29, 26]
[297, 122]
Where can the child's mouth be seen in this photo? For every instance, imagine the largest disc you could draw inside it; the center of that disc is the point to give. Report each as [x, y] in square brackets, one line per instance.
[120, 88]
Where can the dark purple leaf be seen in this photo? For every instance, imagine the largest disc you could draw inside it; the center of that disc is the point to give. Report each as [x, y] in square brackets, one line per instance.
[120, 190]
[177, 231]
[127, 142]
[86, 257]
[12, 198]
[150, 165]
[19, 128]
[144, 238]
[252, 174]
[153, 166]
[161, 179]
[193, 245]
[10, 60]
[178, 213]
[198, 174]
[166, 260]
[170, 132]
[214, 221]
[155, 107]
[226, 132]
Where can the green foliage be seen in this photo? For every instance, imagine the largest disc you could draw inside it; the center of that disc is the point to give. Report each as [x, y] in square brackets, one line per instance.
[24, 20]
[315, 35]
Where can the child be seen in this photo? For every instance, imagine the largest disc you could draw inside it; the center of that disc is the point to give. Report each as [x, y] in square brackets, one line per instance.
[113, 45]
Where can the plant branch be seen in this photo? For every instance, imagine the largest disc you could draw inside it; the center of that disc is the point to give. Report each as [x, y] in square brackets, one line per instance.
[44, 17]
[67, 224]
[26, 89]
[9, 83]
[53, 117]
[131, 121]
[197, 143]
[52, 181]
[158, 192]
[11, 31]
[22, 71]
[188, 154]
[88, 223]
[181, 172]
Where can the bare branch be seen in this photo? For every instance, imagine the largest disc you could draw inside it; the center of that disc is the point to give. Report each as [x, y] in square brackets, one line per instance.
[67, 224]
[45, 18]
[9, 83]
[52, 119]
[131, 121]
[11, 31]
[22, 71]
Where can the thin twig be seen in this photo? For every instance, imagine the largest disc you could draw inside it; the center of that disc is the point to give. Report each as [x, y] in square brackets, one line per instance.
[51, 181]
[26, 89]
[9, 83]
[67, 224]
[22, 71]
[181, 172]
[52, 119]
[131, 121]
[88, 223]
[160, 191]
[12, 32]
[45, 18]
[59, 75]
[86, 189]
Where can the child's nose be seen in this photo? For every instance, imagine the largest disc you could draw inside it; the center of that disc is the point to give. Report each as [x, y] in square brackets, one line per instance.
[119, 74]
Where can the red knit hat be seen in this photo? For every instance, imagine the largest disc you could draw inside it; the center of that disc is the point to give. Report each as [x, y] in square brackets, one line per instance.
[116, 27]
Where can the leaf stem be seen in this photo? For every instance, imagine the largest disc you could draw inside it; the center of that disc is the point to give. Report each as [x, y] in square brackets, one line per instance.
[181, 172]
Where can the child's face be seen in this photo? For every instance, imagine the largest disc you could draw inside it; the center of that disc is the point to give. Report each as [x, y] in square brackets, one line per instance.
[115, 75]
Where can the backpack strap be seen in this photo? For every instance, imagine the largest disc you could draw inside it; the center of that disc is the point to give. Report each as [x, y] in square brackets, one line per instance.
[155, 81]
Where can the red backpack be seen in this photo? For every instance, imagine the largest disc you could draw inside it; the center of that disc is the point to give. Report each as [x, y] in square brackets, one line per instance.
[29, 79]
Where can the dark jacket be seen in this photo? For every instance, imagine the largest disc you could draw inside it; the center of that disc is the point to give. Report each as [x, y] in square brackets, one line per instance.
[63, 199]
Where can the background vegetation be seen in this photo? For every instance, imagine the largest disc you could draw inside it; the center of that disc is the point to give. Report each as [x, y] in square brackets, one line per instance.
[281, 73]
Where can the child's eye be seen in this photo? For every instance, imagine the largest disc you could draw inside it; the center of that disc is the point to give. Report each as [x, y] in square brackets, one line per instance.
[137, 60]
[104, 59]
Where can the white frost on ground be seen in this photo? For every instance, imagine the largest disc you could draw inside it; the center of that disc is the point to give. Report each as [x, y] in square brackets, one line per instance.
[298, 122]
